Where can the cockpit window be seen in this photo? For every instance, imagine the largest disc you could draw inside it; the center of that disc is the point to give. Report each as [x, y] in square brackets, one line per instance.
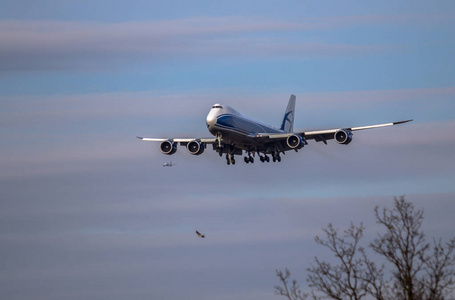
[217, 106]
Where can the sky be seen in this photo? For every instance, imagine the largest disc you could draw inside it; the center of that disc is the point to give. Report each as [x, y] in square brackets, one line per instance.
[88, 212]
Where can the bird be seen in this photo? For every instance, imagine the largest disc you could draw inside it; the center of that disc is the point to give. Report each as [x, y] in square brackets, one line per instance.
[200, 234]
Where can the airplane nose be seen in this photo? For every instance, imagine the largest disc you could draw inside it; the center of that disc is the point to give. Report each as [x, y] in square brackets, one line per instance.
[211, 119]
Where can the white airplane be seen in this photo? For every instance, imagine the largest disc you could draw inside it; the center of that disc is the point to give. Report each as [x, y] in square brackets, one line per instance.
[235, 133]
[168, 164]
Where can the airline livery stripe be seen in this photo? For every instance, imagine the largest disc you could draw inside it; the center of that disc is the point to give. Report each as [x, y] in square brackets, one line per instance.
[235, 123]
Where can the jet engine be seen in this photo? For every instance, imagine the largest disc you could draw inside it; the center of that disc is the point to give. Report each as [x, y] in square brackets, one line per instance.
[168, 147]
[195, 147]
[343, 136]
[295, 141]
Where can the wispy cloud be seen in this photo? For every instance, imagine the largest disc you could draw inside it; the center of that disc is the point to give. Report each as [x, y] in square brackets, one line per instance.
[417, 134]
[26, 110]
[379, 96]
[30, 45]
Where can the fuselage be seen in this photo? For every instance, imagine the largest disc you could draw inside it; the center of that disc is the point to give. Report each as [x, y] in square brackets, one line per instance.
[237, 134]
[235, 127]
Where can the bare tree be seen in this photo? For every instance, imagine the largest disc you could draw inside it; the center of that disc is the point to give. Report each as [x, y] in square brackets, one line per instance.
[417, 272]
[376, 286]
[439, 270]
[292, 292]
[348, 278]
[403, 245]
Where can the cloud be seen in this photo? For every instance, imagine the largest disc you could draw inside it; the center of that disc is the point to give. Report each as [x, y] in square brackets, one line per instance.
[27, 110]
[379, 96]
[415, 134]
[54, 45]
[36, 108]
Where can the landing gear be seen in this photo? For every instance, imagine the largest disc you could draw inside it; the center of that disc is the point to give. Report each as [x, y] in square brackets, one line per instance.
[264, 158]
[230, 159]
[229, 151]
[248, 159]
[218, 138]
[276, 157]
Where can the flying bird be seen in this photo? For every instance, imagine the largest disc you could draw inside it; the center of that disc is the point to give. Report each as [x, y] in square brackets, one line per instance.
[200, 234]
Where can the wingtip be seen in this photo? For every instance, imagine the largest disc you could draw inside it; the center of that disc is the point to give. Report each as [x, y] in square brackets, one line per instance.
[402, 122]
[139, 137]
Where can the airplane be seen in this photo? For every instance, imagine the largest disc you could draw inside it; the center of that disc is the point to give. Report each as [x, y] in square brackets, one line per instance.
[168, 164]
[235, 133]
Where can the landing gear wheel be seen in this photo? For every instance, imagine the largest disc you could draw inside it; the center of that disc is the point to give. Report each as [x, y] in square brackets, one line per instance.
[230, 159]
[267, 159]
[251, 159]
[278, 158]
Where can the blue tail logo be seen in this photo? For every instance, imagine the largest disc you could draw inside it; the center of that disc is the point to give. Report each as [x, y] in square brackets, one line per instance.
[288, 119]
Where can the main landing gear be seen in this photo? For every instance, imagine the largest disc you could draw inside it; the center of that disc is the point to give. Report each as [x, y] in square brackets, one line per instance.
[263, 158]
[248, 159]
[275, 157]
[230, 159]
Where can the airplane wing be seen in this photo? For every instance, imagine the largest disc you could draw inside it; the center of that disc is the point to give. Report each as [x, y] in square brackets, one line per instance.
[327, 134]
[195, 146]
[182, 141]
[324, 135]
[268, 142]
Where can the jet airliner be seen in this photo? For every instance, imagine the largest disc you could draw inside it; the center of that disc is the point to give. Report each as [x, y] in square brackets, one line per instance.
[168, 164]
[235, 134]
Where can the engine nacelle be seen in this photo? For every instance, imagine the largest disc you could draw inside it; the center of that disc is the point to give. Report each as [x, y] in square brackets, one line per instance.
[343, 136]
[195, 147]
[168, 147]
[295, 141]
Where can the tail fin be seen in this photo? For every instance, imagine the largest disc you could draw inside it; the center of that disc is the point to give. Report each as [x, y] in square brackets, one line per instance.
[288, 120]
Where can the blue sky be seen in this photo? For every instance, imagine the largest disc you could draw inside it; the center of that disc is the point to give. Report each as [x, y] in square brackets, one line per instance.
[88, 211]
